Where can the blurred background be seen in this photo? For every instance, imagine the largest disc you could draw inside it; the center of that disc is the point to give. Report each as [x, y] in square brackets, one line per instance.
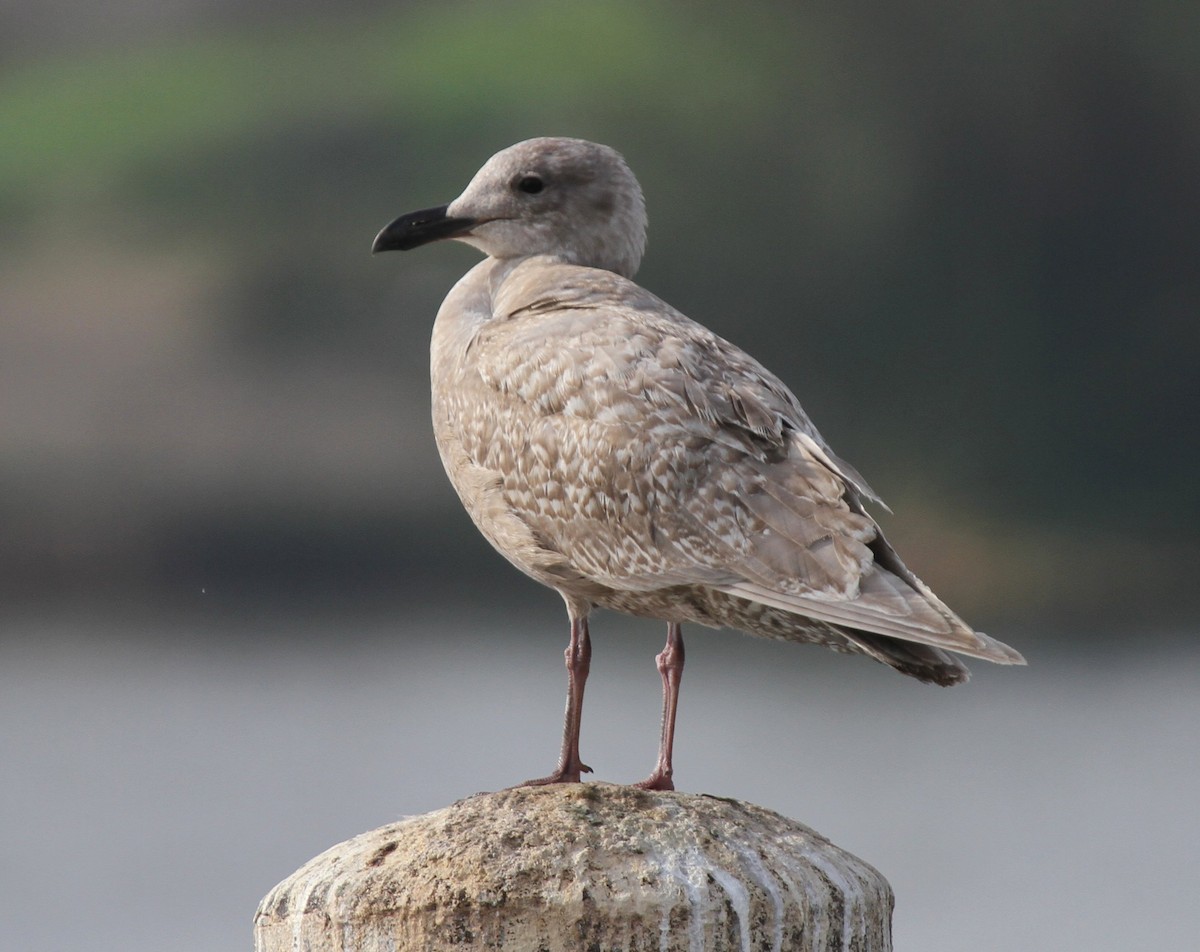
[243, 615]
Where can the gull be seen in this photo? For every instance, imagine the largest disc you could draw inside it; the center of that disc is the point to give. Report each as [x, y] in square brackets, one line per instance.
[629, 458]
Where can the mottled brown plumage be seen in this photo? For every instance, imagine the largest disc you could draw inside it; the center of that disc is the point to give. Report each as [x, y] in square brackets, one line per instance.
[631, 459]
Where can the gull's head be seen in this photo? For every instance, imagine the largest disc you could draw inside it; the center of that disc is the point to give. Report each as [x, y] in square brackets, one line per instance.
[565, 197]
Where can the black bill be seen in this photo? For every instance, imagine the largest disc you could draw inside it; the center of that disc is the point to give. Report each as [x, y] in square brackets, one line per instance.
[420, 228]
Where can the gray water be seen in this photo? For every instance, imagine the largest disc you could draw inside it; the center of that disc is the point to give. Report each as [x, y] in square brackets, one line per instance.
[157, 782]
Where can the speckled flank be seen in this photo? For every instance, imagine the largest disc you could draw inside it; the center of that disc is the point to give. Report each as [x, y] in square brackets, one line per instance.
[582, 866]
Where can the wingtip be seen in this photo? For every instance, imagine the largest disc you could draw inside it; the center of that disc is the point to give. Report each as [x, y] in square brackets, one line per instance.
[1000, 653]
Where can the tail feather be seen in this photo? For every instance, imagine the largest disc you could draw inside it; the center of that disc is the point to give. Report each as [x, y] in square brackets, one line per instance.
[923, 662]
[914, 616]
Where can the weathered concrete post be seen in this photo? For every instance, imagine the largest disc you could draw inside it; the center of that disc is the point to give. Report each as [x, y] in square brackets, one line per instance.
[582, 868]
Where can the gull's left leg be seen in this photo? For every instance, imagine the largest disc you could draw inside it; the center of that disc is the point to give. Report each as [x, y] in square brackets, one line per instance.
[579, 660]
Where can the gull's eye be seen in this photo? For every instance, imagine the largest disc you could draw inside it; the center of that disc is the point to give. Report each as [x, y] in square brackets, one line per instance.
[530, 184]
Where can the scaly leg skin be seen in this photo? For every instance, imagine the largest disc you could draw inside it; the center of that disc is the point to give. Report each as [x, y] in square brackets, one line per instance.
[670, 667]
[579, 658]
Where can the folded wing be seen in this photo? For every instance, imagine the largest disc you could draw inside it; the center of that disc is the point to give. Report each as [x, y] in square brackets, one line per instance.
[668, 456]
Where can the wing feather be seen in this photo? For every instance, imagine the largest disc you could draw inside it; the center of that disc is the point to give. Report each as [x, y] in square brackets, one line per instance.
[667, 456]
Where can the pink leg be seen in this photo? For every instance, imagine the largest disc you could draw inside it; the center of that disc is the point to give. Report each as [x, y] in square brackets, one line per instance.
[579, 659]
[670, 667]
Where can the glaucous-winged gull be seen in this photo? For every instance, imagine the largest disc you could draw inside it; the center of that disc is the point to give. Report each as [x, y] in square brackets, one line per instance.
[631, 459]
